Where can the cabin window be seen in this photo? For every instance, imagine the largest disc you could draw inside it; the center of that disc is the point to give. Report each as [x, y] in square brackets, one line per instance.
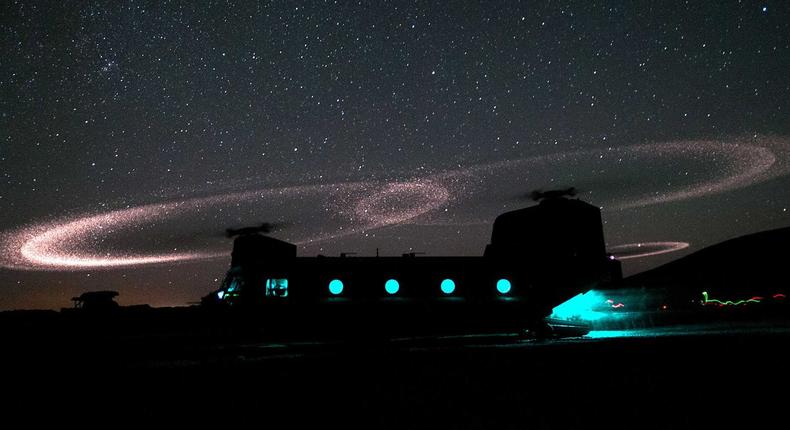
[448, 286]
[503, 286]
[277, 287]
[335, 286]
[392, 286]
[234, 285]
[231, 292]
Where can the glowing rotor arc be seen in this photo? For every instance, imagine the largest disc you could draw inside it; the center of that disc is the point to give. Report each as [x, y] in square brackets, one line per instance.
[69, 243]
[424, 196]
[645, 249]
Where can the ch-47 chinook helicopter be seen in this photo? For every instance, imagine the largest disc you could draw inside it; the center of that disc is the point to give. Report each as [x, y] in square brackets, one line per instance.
[538, 257]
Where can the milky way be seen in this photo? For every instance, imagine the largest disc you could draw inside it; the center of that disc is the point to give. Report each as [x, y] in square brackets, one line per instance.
[456, 196]
[133, 134]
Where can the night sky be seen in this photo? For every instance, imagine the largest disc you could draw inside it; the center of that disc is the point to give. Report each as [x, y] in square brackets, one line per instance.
[133, 133]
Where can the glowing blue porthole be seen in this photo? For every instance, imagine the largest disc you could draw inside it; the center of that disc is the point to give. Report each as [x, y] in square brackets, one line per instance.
[335, 286]
[503, 286]
[448, 286]
[391, 286]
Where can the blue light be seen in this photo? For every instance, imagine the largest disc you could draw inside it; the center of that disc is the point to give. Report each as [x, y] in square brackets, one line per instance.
[277, 287]
[589, 307]
[220, 295]
[448, 286]
[335, 286]
[503, 286]
[392, 286]
[233, 285]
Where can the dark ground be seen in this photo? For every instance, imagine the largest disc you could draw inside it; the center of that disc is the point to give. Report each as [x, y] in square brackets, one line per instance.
[681, 377]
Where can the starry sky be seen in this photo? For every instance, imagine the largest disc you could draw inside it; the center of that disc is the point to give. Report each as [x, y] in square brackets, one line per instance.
[133, 133]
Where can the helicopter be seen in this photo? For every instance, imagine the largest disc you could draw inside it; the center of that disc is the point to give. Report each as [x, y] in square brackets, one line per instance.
[537, 258]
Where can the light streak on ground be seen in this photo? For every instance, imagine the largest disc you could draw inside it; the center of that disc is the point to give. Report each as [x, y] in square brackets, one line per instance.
[709, 301]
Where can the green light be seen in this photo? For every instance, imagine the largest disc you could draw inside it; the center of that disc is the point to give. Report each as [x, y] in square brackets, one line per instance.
[503, 286]
[706, 300]
[391, 286]
[335, 286]
[448, 286]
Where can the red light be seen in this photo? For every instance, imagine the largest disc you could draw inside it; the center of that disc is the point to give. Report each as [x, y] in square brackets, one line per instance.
[614, 305]
[779, 296]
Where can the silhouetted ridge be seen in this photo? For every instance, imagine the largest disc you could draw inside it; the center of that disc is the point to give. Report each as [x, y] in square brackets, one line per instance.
[758, 260]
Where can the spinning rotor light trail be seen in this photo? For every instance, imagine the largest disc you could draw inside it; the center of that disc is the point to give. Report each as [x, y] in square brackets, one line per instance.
[68, 244]
[645, 249]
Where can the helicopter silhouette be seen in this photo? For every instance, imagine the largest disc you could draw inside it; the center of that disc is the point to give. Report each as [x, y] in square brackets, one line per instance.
[263, 228]
[539, 195]
[538, 257]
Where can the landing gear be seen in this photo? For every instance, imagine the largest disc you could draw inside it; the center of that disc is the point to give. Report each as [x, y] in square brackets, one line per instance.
[555, 329]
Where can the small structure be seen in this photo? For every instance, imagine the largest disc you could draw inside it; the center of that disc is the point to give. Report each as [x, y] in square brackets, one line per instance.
[96, 301]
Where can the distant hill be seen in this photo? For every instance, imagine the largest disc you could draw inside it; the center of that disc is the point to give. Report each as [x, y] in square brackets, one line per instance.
[757, 263]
